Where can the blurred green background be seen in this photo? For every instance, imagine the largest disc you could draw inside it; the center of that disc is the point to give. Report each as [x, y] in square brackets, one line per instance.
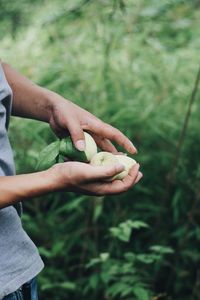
[132, 63]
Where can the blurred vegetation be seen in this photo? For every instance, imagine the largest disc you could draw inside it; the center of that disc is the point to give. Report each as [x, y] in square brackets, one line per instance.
[132, 63]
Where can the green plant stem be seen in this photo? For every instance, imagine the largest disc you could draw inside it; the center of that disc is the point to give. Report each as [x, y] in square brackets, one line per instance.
[184, 128]
[172, 173]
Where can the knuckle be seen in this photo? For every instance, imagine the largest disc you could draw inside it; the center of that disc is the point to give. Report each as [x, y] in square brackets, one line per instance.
[126, 187]
[110, 172]
[76, 132]
[135, 177]
[109, 129]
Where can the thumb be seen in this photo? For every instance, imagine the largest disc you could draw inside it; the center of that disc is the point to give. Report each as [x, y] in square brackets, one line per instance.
[105, 172]
[76, 133]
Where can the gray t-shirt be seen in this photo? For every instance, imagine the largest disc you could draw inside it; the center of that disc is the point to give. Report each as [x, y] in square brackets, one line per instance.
[19, 257]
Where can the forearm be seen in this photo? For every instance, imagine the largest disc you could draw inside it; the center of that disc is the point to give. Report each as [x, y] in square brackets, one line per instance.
[20, 187]
[29, 100]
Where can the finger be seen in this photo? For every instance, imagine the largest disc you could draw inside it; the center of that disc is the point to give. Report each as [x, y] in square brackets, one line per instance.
[131, 177]
[109, 132]
[116, 186]
[76, 133]
[104, 144]
[103, 172]
[125, 184]
[140, 175]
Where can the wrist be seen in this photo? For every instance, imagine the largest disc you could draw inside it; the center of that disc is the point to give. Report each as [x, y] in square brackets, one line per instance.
[25, 186]
[48, 98]
[40, 183]
[57, 177]
[53, 102]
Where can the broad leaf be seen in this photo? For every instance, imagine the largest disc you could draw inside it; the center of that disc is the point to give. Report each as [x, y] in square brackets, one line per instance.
[47, 157]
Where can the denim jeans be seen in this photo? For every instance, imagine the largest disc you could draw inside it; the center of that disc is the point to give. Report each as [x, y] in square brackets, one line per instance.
[26, 292]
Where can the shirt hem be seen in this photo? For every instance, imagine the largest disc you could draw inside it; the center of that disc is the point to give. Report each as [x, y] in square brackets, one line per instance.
[16, 283]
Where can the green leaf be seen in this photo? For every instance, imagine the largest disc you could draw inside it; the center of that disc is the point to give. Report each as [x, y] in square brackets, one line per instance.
[161, 249]
[93, 262]
[67, 285]
[129, 256]
[98, 207]
[74, 205]
[146, 258]
[60, 159]
[47, 157]
[94, 281]
[123, 231]
[104, 256]
[137, 224]
[44, 252]
[117, 289]
[123, 234]
[141, 293]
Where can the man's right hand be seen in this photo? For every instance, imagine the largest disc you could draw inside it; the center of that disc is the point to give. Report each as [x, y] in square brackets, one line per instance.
[86, 179]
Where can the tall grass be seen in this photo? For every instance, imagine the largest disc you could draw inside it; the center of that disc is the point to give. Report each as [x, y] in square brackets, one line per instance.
[133, 64]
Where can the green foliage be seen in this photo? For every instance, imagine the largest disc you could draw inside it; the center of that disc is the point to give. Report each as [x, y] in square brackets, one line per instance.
[57, 152]
[48, 156]
[123, 231]
[15, 14]
[124, 277]
[133, 64]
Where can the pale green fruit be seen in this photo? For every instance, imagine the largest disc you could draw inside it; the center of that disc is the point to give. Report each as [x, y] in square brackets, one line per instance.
[67, 149]
[107, 159]
[128, 163]
[90, 146]
[104, 159]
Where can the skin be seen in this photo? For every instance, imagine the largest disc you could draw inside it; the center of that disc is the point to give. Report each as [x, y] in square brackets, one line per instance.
[34, 102]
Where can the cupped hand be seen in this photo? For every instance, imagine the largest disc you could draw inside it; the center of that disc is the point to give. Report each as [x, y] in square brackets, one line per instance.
[90, 180]
[67, 117]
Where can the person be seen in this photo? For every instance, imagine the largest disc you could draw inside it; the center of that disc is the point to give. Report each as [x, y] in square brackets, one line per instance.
[19, 258]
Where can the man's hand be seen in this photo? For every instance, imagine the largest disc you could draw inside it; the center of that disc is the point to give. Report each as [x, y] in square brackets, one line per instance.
[66, 116]
[86, 179]
[69, 176]
[34, 102]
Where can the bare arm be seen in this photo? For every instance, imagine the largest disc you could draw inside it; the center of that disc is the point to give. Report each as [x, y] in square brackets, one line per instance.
[35, 102]
[29, 100]
[19, 187]
[69, 176]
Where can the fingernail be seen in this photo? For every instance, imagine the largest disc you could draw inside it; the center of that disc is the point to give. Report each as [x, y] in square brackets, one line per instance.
[80, 145]
[140, 175]
[134, 149]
